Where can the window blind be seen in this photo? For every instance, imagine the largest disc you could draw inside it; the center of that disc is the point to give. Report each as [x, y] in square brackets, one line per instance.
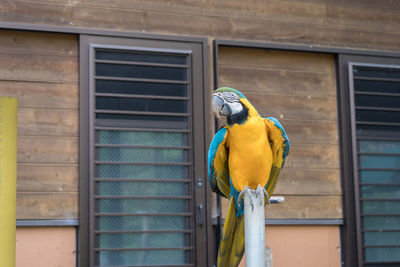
[141, 189]
[376, 133]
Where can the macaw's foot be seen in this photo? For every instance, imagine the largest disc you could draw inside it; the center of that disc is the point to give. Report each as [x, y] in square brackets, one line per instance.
[260, 191]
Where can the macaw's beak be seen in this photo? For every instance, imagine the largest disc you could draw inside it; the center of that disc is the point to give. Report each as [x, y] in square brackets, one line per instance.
[217, 105]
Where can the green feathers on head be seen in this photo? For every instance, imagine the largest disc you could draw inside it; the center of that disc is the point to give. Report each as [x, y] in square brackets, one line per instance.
[229, 89]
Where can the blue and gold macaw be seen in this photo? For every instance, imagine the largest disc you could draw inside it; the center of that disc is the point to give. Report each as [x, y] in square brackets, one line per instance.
[249, 151]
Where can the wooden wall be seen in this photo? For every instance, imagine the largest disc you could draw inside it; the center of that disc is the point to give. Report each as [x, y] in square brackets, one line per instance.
[361, 24]
[299, 89]
[42, 71]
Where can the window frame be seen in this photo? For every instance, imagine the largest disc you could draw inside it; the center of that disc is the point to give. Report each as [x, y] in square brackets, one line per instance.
[352, 243]
[198, 51]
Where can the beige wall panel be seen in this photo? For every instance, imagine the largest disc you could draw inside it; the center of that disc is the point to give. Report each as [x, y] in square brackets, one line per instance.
[46, 149]
[47, 205]
[308, 246]
[52, 122]
[45, 247]
[47, 178]
[42, 95]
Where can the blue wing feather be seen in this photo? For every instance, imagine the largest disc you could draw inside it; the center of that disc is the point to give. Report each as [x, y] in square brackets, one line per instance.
[282, 147]
[218, 164]
[286, 143]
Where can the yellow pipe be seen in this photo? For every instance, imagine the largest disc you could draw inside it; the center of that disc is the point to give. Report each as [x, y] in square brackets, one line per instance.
[8, 179]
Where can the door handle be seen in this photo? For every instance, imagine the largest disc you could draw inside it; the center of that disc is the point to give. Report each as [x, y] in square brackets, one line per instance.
[200, 215]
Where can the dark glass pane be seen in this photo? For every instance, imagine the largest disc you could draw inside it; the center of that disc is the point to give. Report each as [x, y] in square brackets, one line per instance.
[141, 72]
[142, 223]
[381, 223]
[381, 177]
[377, 130]
[143, 138]
[374, 146]
[143, 258]
[378, 101]
[142, 206]
[140, 154]
[139, 56]
[382, 238]
[140, 88]
[381, 207]
[141, 171]
[128, 117]
[379, 161]
[375, 72]
[382, 254]
[141, 189]
[377, 116]
[377, 86]
[138, 104]
[380, 192]
[143, 240]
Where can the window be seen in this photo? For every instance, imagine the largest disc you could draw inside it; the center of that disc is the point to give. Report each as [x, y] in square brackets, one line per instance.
[144, 120]
[375, 129]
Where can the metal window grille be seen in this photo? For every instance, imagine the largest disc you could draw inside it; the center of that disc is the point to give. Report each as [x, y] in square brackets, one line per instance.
[375, 100]
[141, 195]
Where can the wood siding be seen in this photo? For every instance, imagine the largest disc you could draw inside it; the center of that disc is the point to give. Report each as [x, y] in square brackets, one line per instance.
[368, 24]
[41, 70]
[299, 89]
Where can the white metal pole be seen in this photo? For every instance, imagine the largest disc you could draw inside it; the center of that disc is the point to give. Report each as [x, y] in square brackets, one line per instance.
[254, 228]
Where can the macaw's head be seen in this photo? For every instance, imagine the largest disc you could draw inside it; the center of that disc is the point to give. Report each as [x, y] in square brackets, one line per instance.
[233, 104]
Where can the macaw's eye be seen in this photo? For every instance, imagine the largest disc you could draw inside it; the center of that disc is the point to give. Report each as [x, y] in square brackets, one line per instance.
[231, 97]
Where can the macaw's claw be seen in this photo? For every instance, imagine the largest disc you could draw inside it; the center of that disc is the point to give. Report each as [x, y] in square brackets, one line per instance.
[260, 191]
[241, 196]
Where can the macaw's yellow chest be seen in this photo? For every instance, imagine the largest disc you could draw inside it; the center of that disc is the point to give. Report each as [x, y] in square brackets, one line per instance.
[250, 155]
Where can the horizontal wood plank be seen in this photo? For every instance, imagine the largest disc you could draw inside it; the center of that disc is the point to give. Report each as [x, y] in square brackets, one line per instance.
[309, 182]
[49, 122]
[293, 107]
[28, 67]
[306, 207]
[282, 81]
[41, 94]
[372, 17]
[47, 178]
[37, 43]
[276, 21]
[47, 150]
[313, 157]
[275, 59]
[303, 132]
[301, 207]
[47, 206]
